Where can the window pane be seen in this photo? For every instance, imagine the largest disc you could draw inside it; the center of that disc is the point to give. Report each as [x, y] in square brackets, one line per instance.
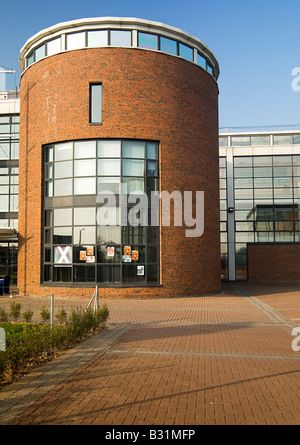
[201, 61]
[63, 151]
[40, 52]
[53, 46]
[85, 149]
[133, 149]
[49, 154]
[62, 217]
[4, 129]
[109, 254]
[109, 274]
[210, 69]
[263, 182]
[243, 172]
[4, 150]
[243, 161]
[62, 274]
[133, 167]
[110, 184]
[134, 185]
[282, 161]
[48, 217]
[109, 149]
[120, 38]
[223, 142]
[49, 171]
[262, 172]
[130, 274]
[109, 167]
[30, 58]
[146, 40]
[4, 190]
[62, 169]
[96, 103]
[76, 40]
[134, 235]
[186, 52]
[240, 141]
[152, 185]
[13, 204]
[296, 139]
[14, 150]
[62, 235]
[4, 203]
[151, 150]
[84, 235]
[63, 187]
[152, 273]
[152, 253]
[282, 171]
[168, 46]
[49, 188]
[283, 139]
[84, 216]
[84, 186]
[85, 167]
[243, 183]
[97, 38]
[108, 235]
[152, 169]
[262, 161]
[84, 274]
[260, 140]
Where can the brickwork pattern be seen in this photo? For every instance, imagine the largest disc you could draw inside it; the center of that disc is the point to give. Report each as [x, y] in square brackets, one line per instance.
[213, 360]
[274, 263]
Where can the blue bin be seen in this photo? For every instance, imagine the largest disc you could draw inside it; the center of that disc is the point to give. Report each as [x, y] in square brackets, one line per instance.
[4, 284]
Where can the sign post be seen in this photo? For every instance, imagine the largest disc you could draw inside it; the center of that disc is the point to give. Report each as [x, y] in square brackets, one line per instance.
[2, 340]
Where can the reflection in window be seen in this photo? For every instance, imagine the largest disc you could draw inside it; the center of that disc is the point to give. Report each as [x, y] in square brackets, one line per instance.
[73, 238]
[146, 40]
[97, 38]
[168, 46]
[186, 52]
[76, 40]
[120, 38]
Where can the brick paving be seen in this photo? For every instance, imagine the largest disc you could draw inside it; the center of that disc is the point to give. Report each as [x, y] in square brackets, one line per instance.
[213, 360]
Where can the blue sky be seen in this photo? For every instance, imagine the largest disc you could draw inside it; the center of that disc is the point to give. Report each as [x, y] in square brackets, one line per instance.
[257, 44]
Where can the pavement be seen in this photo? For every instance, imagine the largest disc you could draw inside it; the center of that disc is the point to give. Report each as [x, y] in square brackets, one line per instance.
[224, 359]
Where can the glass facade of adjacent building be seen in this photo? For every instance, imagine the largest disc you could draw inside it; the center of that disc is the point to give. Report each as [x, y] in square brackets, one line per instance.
[9, 183]
[261, 201]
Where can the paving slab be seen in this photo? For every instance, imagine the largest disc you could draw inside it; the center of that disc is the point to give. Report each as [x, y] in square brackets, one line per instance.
[224, 359]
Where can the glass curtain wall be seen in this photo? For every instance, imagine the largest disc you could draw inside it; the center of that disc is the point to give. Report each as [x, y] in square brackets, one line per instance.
[9, 184]
[79, 249]
[223, 217]
[267, 202]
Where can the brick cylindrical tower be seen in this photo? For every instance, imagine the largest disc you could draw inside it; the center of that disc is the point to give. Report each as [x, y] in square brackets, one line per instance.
[107, 104]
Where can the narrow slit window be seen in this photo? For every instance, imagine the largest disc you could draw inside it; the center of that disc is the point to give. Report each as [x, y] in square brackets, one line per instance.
[96, 103]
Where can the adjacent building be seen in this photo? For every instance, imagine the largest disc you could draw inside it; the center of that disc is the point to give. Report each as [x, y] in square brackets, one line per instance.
[9, 180]
[260, 203]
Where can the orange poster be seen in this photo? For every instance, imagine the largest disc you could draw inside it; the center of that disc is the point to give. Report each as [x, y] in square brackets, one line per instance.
[90, 251]
[82, 255]
[127, 250]
[135, 254]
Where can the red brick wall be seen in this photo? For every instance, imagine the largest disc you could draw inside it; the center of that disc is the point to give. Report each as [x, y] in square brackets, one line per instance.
[274, 263]
[146, 95]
